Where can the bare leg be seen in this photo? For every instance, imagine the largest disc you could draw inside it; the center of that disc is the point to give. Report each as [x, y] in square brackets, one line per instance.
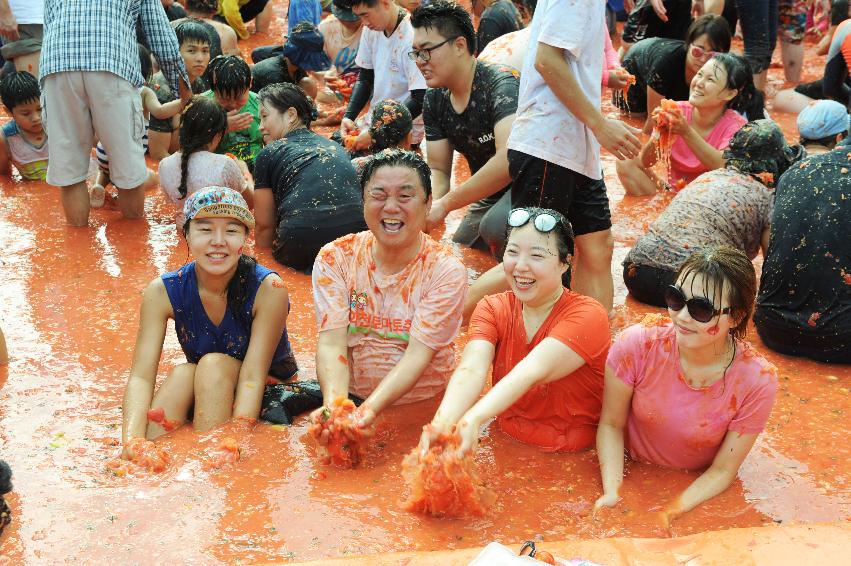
[215, 383]
[490, 282]
[634, 178]
[592, 274]
[131, 202]
[158, 144]
[28, 63]
[175, 397]
[793, 60]
[263, 19]
[98, 190]
[787, 100]
[75, 203]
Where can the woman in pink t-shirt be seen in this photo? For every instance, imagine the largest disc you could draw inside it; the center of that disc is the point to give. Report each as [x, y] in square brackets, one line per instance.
[702, 128]
[688, 393]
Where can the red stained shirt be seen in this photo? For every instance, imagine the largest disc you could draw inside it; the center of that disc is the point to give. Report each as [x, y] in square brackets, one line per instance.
[561, 415]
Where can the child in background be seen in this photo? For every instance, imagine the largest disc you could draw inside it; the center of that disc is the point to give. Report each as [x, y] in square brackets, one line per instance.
[390, 127]
[195, 167]
[230, 81]
[24, 141]
[151, 106]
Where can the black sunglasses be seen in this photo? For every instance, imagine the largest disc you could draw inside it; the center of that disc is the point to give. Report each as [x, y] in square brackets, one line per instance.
[543, 221]
[700, 309]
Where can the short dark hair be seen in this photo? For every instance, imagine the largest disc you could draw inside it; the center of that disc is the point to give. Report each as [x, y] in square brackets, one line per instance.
[283, 96]
[449, 19]
[19, 88]
[192, 29]
[394, 157]
[350, 4]
[229, 75]
[715, 27]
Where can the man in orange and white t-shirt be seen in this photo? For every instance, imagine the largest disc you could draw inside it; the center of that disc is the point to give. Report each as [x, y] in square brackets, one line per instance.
[388, 300]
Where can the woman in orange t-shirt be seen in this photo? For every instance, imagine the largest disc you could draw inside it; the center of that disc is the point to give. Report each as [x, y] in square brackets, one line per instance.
[547, 346]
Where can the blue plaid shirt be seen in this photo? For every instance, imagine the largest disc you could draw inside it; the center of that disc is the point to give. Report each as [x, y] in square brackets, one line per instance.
[100, 35]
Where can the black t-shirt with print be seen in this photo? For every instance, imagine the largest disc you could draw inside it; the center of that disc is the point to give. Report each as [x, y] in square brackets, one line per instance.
[498, 19]
[660, 64]
[493, 97]
[806, 277]
[309, 175]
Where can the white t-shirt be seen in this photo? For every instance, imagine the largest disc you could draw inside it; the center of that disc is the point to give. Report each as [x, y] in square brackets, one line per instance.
[509, 49]
[544, 127]
[27, 11]
[341, 50]
[395, 74]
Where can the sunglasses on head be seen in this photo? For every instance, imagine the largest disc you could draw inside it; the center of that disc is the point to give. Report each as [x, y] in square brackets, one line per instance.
[543, 221]
[699, 52]
[700, 309]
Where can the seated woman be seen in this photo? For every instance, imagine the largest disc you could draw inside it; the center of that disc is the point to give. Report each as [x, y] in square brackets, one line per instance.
[730, 206]
[302, 54]
[230, 315]
[701, 129]
[195, 166]
[307, 193]
[688, 393]
[547, 346]
[664, 68]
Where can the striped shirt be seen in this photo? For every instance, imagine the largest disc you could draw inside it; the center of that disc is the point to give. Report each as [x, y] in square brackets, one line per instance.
[100, 35]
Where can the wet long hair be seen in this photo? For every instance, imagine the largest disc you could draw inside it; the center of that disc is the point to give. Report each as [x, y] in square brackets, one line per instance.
[201, 122]
[238, 286]
[721, 266]
[283, 96]
[748, 99]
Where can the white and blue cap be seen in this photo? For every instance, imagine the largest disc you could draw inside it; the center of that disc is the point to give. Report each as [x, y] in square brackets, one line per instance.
[218, 202]
[821, 119]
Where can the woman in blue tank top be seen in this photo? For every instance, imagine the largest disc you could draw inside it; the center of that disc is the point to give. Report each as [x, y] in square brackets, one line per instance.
[230, 317]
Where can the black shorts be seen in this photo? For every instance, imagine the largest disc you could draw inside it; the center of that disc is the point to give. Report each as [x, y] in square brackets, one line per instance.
[643, 22]
[646, 283]
[814, 90]
[537, 182]
[299, 239]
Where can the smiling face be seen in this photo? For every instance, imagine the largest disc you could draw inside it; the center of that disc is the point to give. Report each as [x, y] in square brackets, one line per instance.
[274, 124]
[696, 335]
[196, 57]
[709, 86]
[395, 206]
[532, 265]
[216, 243]
[28, 117]
[443, 64]
[699, 52]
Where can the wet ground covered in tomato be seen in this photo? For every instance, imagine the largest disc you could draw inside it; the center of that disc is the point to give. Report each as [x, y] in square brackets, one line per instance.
[69, 302]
